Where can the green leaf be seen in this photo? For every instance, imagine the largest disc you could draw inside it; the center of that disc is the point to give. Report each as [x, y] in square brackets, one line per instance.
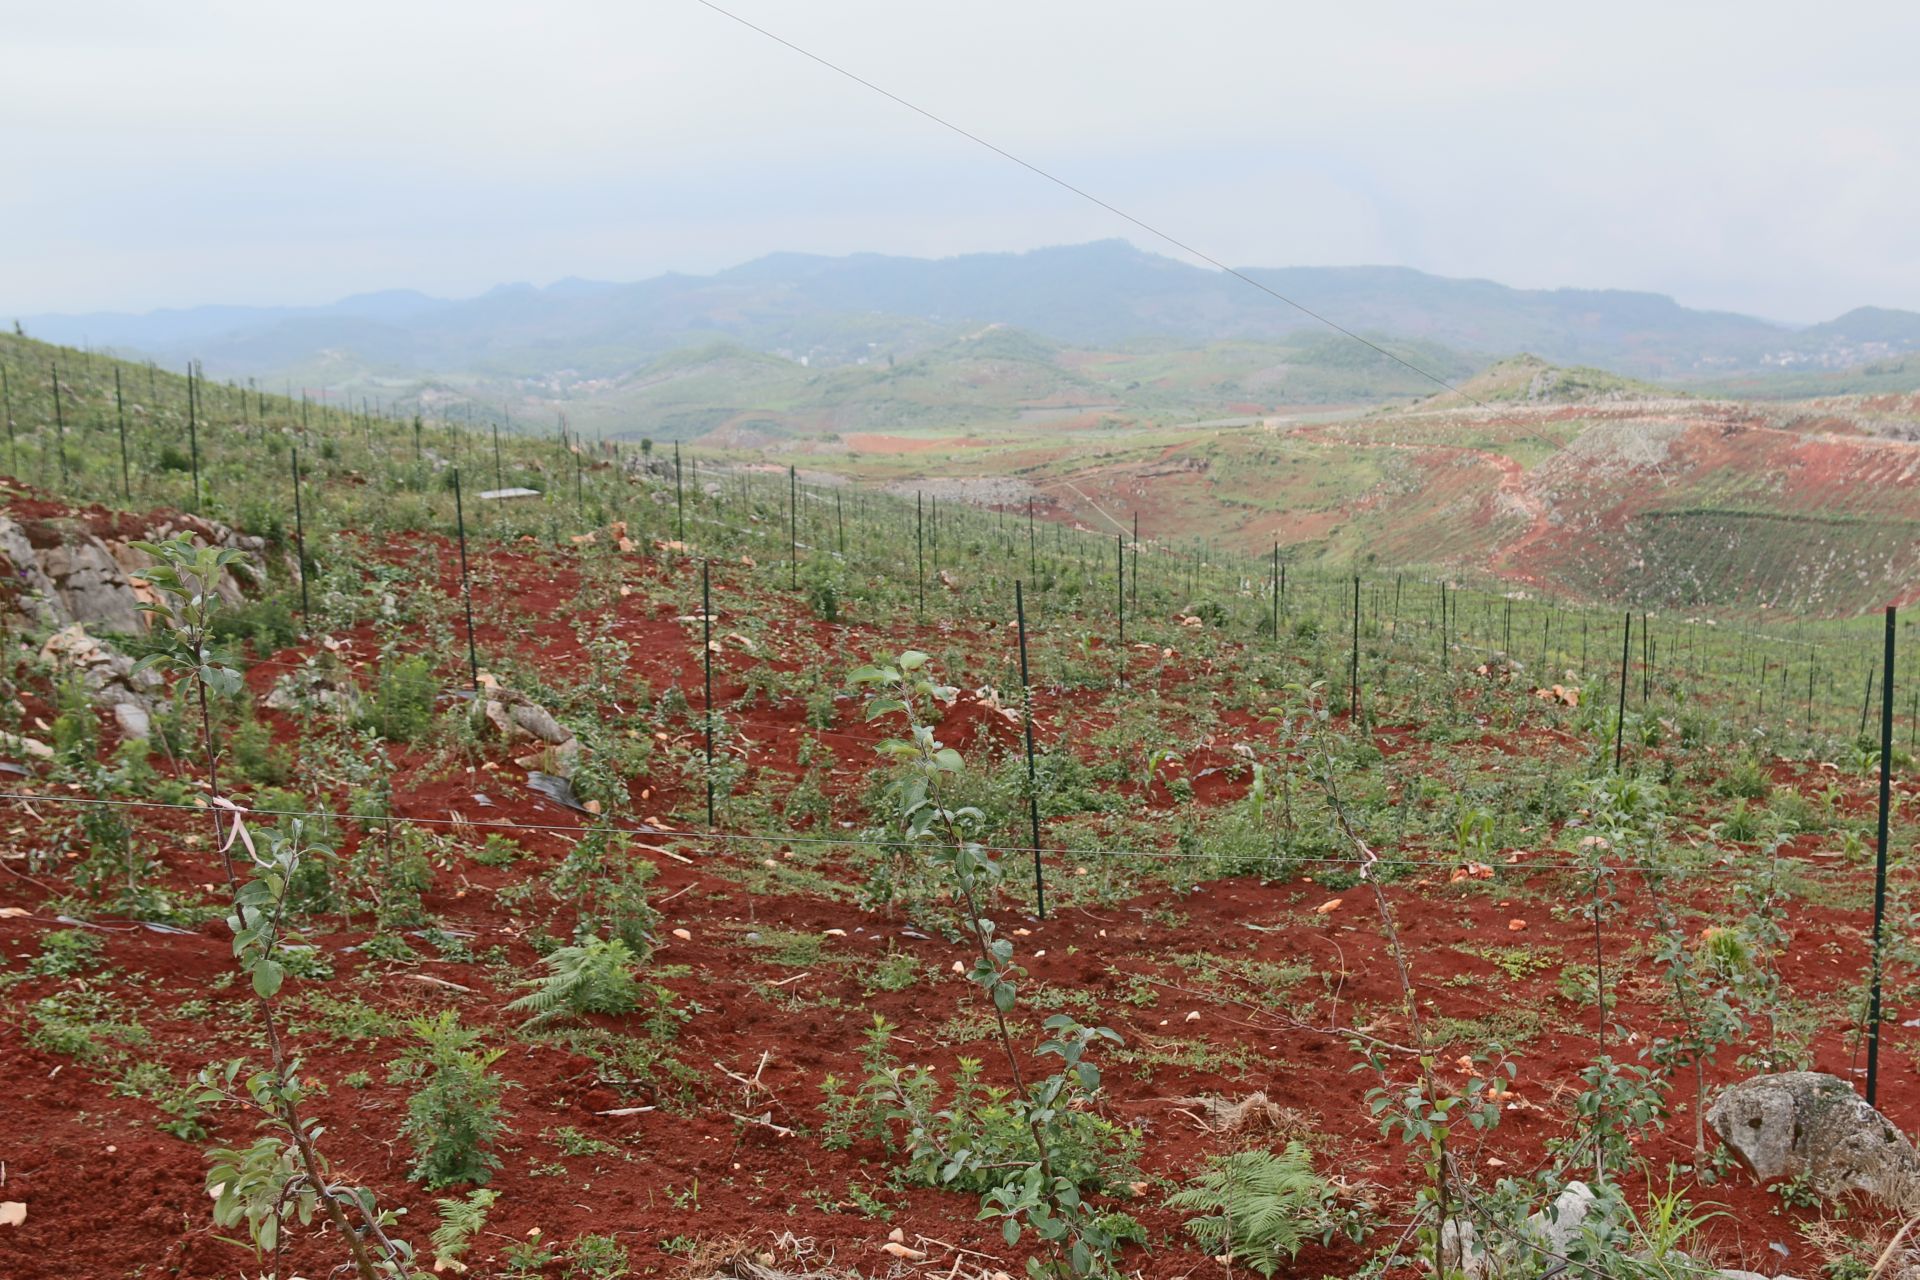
[913, 660]
[1010, 1231]
[267, 977]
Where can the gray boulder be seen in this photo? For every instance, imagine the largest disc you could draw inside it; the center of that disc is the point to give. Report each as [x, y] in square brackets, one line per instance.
[1797, 1123]
[310, 688]
[1557, 1227]
[522, 721]
[1552, 1232]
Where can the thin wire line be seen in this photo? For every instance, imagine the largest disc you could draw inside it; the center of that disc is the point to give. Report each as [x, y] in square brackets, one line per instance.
[745, 838]
[1091, 198]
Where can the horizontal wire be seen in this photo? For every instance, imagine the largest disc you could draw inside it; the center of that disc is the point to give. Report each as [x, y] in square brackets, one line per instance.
[1096, 200]
[743, 837]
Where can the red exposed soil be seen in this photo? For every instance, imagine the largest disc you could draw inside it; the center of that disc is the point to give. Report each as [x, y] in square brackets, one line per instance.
[108, 1194]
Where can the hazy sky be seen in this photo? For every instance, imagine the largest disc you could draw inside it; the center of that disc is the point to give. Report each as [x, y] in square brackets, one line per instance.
[1753, 156]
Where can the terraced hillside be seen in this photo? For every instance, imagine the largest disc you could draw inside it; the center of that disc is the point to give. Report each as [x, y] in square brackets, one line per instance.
[1573, 482]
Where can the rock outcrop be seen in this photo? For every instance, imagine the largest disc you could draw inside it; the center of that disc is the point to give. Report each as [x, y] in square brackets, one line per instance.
[79, 568]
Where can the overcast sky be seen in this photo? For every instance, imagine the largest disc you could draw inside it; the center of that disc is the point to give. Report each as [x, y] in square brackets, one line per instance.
[1754, 156]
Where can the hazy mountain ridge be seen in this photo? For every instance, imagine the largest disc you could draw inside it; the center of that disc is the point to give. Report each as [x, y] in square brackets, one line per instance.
[826, 311]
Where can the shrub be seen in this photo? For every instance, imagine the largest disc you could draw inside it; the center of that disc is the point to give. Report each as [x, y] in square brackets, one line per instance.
[1746, 781]
[455, 1115]
[257, 757]
[269, 624]
[402, 706]
[607, 882]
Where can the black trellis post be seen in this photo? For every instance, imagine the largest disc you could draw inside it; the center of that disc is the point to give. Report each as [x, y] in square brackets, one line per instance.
[1646, 659]
[1033, 555]
[59, 424]
[6, 407]
[300, 539]
[1133, 587]
[1880, 859]
[706, 657]
[1620, 717]
[193, 430]
[1120, 594]
[920, 548]
[1276, 591]
[793, 528]
[679, 498]
[120, 416]
[466, 586]
[1353, 672]
[840, 522]
[1033, 790]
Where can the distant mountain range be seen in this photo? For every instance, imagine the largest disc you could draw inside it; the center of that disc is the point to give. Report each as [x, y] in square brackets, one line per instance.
[826, 312]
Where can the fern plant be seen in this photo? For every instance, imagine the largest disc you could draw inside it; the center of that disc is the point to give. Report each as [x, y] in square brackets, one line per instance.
[1259, 1207]
[460, 1221]
[594, 977]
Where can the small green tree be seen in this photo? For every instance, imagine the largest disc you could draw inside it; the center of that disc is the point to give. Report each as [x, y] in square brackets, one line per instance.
[282, 1176]
[1036, 1196]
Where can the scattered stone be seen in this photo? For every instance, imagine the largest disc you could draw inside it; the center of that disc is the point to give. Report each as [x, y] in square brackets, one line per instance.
[309, 687]
[107, 674]
[1555, 1229]
[92, 586]
[520, 719]
[17, 744]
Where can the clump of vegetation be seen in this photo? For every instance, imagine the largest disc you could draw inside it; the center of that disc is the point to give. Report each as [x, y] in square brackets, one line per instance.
[1258, 1208]
[596, 976]
[453, 1118]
